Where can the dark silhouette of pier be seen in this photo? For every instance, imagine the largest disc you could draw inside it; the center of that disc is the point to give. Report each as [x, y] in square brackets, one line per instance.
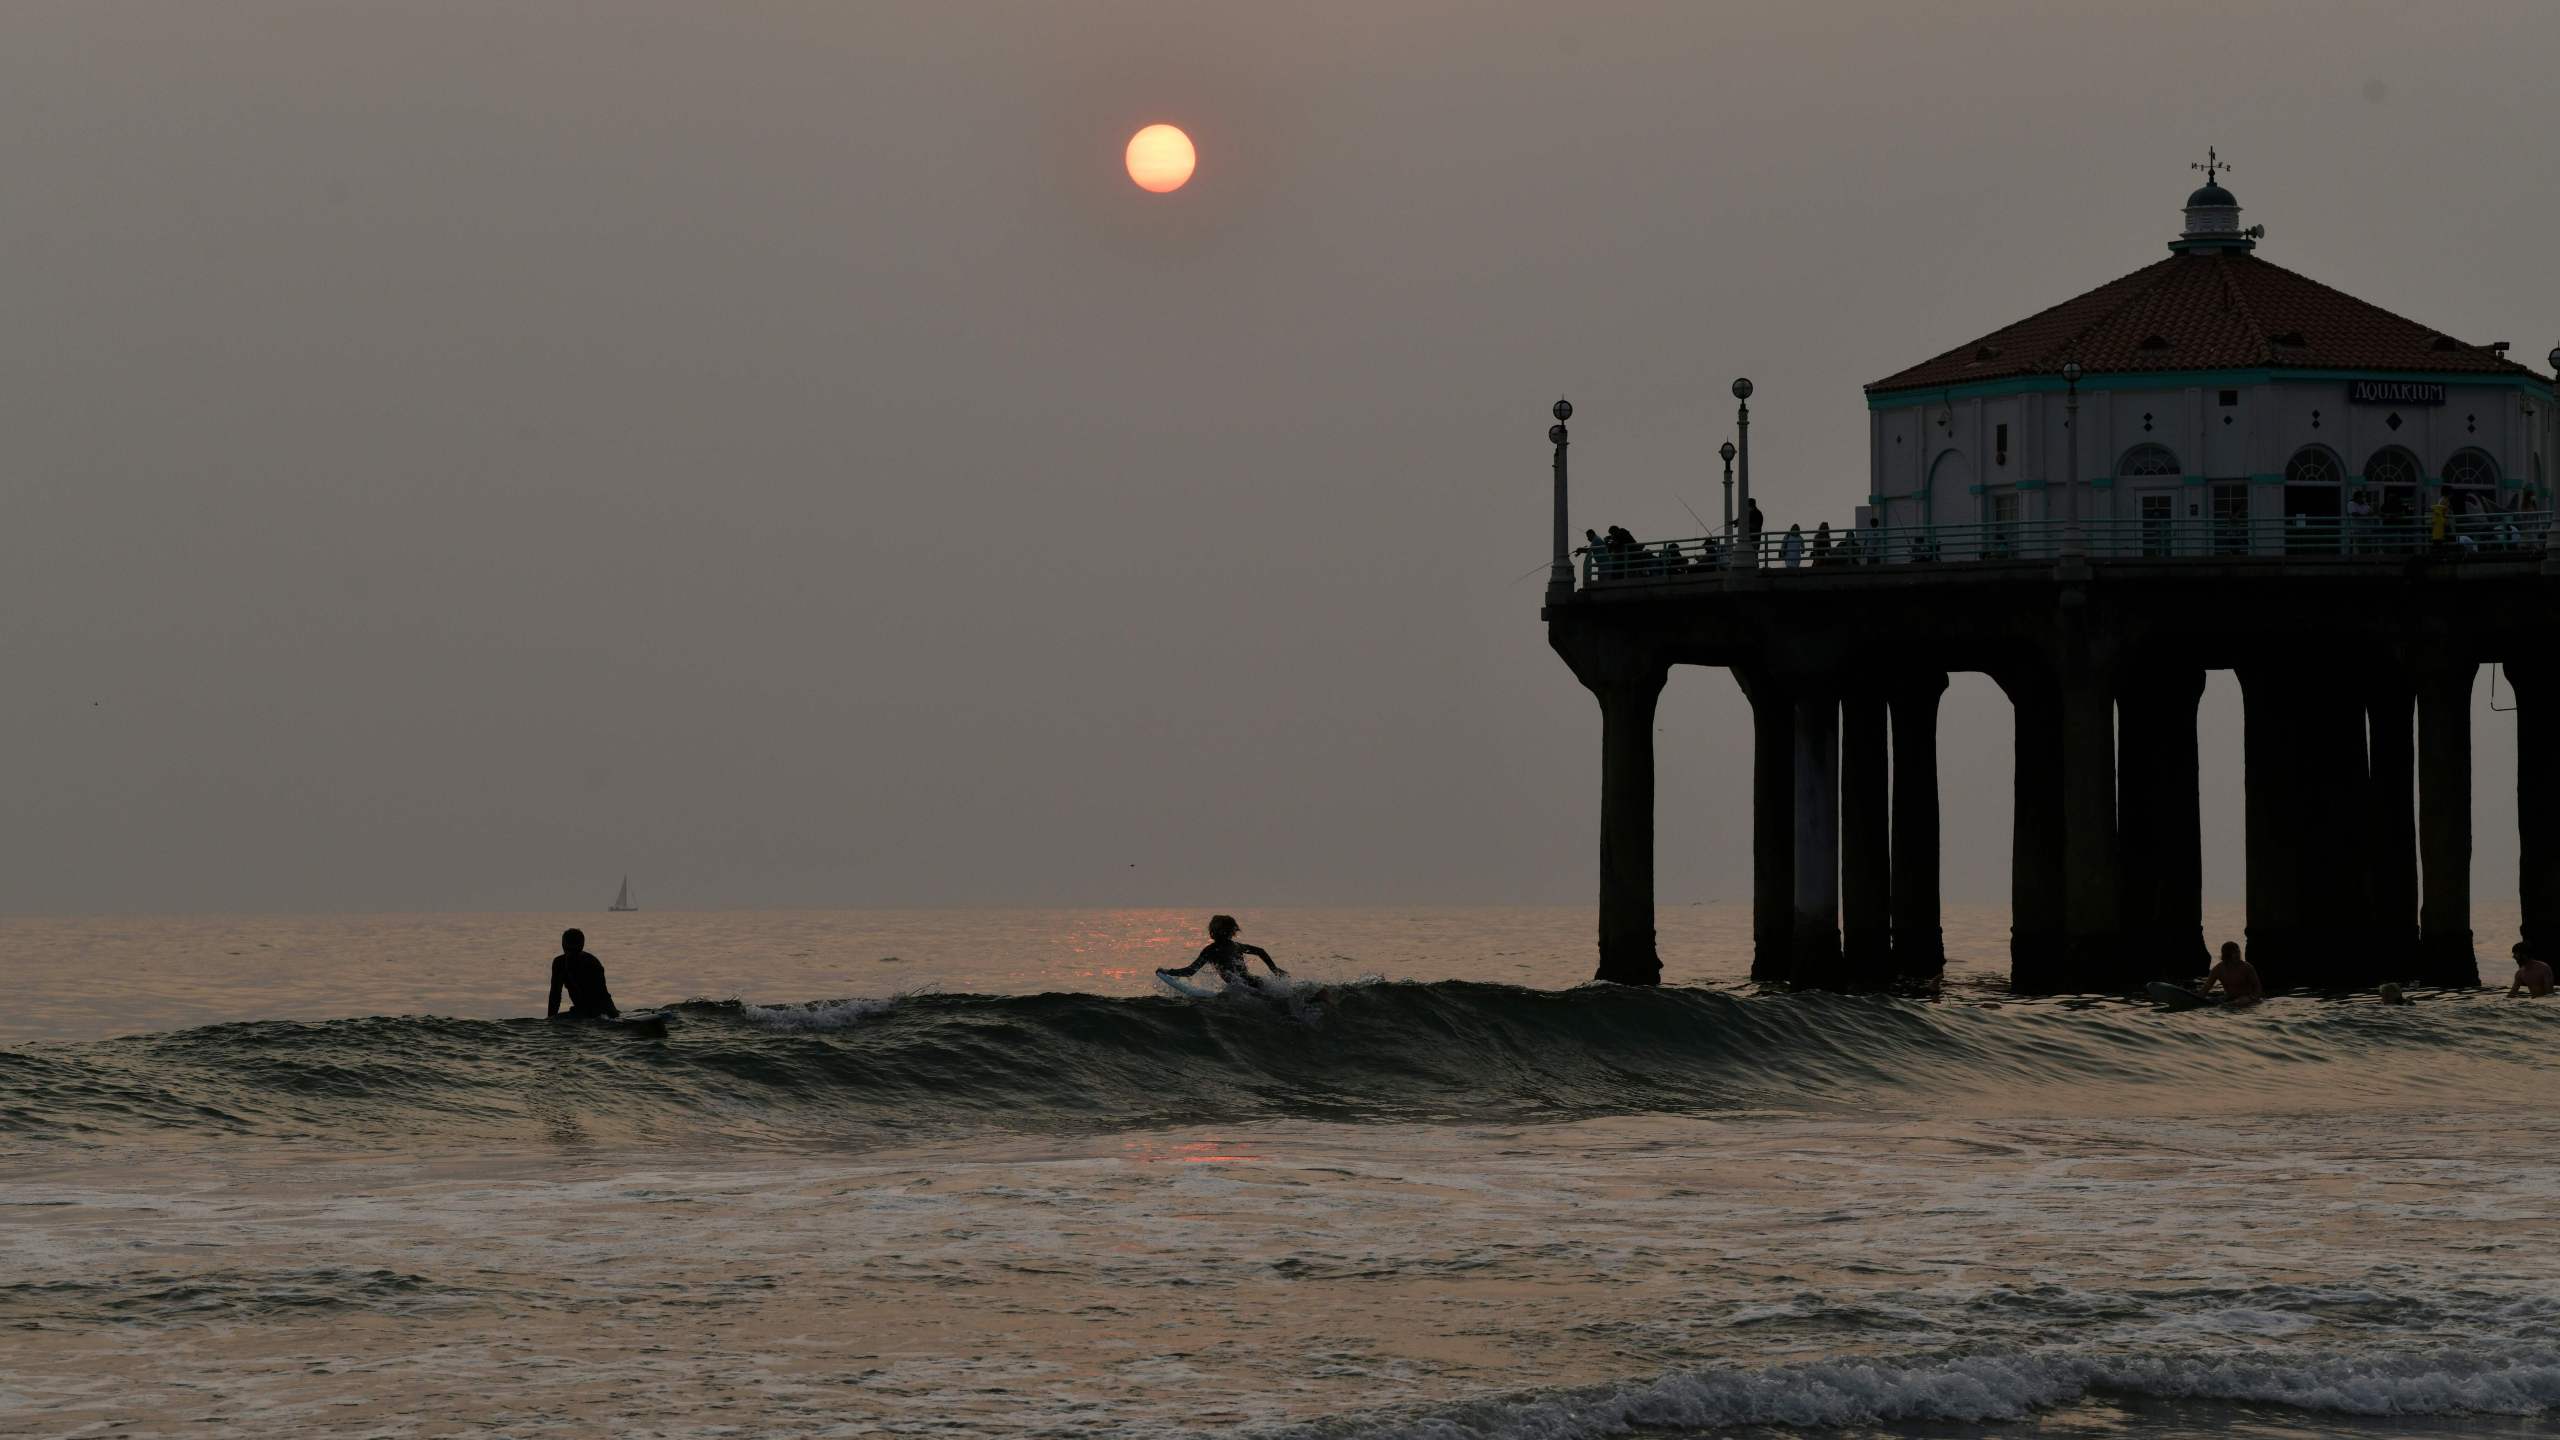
[2357, 652]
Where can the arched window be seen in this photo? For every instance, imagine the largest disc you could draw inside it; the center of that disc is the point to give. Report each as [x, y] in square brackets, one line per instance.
[1946, 499]
[2391, 485]
[2315, 501]
[2149, 460]
[2391, 466]
[2471, 470]
[2313, 465]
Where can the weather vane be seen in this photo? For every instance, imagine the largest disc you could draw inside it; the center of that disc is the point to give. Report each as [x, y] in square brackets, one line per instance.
[2212, 163]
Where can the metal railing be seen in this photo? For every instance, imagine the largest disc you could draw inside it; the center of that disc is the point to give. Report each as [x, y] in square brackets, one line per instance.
[2496, 534]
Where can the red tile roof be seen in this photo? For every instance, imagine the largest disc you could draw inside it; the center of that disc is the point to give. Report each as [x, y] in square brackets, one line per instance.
[2207, 310]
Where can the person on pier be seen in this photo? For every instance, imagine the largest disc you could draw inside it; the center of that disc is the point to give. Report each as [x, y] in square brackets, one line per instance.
[2237, 977]
[2533, 974]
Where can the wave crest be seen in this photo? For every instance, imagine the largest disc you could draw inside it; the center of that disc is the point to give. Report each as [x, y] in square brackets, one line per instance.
[1440, 1052]
[1972, 1390]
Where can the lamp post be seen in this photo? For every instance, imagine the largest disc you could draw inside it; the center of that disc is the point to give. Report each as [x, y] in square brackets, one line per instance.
[1727, 452]
[1742, 427]
[1560, 574]
[2071, 373]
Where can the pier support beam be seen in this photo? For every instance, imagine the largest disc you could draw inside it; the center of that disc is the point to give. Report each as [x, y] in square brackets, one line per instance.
[2333, 809]
[2391, 828]
[1919, 941]
[2537, 803]
[1866, 843]
[2308, 806]
[1625, 673]
[1627, 953]
[1773, 827]
[1817, 811]
[2161, 825]
[2444, 825]
[2037, 952]
[2269, 719]
[2090, 918]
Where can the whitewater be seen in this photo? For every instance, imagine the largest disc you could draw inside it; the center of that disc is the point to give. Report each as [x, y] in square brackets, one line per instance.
[970, 1173]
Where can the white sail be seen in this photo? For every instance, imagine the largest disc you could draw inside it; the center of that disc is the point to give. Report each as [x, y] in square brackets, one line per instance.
[622, 901]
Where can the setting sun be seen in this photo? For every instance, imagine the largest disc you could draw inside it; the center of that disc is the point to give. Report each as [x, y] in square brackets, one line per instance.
[1160, 159]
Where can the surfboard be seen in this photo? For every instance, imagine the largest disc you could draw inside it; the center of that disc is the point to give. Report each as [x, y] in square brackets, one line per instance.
[651, 1025]
[2176, 997]
[1185, 988]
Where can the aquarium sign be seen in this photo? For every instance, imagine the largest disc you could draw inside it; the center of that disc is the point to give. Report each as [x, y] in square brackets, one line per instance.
[2395, 392]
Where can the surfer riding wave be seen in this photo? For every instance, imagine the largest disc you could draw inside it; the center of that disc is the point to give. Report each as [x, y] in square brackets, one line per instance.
[1228, 956]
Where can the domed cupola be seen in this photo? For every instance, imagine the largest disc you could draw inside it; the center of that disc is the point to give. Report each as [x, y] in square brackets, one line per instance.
[2213, 215]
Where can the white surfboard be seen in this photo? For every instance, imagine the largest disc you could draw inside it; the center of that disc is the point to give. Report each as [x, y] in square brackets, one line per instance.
[1184, 988]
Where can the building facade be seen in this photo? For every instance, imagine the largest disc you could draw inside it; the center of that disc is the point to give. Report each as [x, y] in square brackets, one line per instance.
[2212, 400]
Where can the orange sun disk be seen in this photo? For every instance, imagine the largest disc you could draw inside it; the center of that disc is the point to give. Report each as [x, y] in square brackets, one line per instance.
[1160, 159]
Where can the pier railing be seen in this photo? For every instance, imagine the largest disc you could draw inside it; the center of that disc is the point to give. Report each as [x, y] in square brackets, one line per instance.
[2499, 533]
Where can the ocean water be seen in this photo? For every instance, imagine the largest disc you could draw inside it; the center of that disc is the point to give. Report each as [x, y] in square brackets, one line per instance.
[970, 1173]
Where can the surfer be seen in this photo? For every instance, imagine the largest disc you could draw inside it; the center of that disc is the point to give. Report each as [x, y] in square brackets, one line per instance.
[1223, 952]
[2237, 977]
[2533, 974]
[582, 975]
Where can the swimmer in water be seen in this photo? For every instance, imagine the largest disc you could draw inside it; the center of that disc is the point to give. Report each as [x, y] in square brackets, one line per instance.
[2533, 975]
[1223, 952]
[2237, 977]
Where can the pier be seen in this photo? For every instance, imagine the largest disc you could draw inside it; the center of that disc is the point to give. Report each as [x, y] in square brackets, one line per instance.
[2093, 508]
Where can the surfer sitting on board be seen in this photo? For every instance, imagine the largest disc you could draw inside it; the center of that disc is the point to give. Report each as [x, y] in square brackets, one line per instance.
[582, 975]
[2533, 974]
[1223, 952]
[2237, 977]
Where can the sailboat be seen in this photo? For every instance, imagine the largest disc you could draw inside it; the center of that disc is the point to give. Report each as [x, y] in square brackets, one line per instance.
[622, 901]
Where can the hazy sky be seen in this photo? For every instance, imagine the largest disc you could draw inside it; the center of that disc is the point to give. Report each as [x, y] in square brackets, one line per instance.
[454, 453]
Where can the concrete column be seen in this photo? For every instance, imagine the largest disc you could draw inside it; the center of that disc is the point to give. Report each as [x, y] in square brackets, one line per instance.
[2537, 804]
[1919, 942]
[2269, 718]
[2160, 825]
[2391, 828]
[2036, 874]
[2090, 920]
[1817, 907]
[1627, 953]
[2331, 813]
[2444, 825]
[1866, 843]
[1773, 828]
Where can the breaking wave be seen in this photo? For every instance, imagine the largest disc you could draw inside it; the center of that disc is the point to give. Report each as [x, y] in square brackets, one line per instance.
[1973, 1390]
[868, 1070]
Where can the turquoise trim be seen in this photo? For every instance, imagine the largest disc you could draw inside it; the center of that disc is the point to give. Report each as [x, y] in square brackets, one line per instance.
[2199, 481]
[1977, 489]
[2103, 482]
[2266, 479]
[2182, 379]
[2025, 485]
